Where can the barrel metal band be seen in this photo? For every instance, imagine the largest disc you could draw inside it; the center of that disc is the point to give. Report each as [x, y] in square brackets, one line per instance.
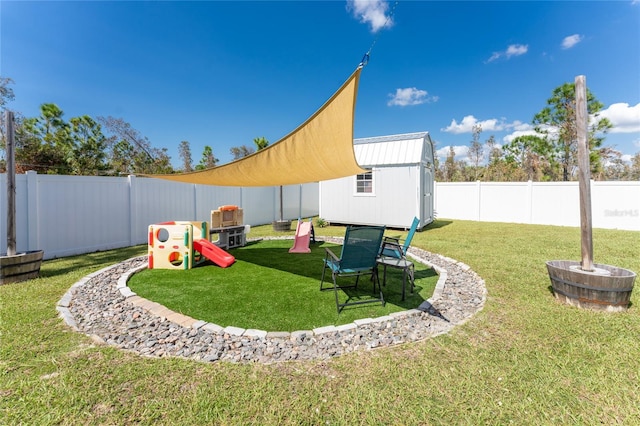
[584, 299]
[592, 288]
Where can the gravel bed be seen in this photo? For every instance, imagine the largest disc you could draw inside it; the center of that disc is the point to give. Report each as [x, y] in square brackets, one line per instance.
[103, 307]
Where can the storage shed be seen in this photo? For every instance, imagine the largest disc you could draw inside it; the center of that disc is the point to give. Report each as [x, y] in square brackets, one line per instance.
[399, 186]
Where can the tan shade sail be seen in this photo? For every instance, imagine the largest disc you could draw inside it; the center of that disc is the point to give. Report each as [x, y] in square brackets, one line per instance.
[320, 149]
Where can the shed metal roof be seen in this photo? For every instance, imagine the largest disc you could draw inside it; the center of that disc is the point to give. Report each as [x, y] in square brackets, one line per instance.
[393, 150]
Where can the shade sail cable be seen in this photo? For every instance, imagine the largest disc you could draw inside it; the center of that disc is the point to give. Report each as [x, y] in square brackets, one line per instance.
[320, 149]
[365, 58]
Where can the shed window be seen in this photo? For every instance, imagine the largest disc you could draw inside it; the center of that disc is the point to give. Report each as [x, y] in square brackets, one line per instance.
[364, 183]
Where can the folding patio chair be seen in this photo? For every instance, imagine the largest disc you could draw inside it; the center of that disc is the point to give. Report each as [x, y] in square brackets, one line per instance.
[358, 257]
[391, 246]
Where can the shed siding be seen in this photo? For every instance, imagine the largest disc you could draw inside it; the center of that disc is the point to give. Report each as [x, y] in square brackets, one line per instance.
[394, 203]
[402, 181]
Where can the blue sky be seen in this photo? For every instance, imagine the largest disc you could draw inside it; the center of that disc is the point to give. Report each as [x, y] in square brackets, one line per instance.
[223, 73]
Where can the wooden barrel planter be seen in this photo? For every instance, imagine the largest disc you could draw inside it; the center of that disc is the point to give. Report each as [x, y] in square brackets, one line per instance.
[20, 267]
[607, 288]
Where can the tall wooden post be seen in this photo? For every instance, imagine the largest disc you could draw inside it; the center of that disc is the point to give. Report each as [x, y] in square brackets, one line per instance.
[11, 187]
[584, 172]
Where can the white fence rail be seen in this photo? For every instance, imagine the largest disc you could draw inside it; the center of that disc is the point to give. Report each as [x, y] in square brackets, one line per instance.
[68, 215]
[614, 205]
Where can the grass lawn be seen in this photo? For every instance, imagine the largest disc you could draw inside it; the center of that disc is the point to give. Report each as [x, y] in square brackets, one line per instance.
[524, 359]
[269, 288]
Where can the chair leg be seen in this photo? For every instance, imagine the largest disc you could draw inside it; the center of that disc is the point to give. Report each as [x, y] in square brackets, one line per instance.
[412, 275]
[340, 306]
[322, 279]
[376, 280]
[335, 287]
[335, 292]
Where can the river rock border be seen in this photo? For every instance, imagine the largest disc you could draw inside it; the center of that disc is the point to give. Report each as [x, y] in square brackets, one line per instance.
[102, 306]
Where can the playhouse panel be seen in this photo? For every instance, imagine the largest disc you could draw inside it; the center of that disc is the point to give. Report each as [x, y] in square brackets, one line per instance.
[171, 246]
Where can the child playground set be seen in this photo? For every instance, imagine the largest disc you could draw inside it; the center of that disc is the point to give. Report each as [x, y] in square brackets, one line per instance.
[185, 244]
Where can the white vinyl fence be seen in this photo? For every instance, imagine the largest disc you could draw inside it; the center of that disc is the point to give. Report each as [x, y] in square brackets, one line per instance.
[614, 205]
[68, 215]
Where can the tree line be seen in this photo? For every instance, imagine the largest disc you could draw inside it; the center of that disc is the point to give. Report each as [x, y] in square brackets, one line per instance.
[110, 146]
[104, 146]
[549, 154]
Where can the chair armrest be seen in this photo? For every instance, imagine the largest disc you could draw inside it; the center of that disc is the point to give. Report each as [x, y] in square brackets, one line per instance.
[393, 247]
[391, 243]
[331, 254]
[391, 239]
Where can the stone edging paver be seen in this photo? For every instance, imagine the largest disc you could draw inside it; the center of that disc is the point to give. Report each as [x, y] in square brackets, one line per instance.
[102, 306]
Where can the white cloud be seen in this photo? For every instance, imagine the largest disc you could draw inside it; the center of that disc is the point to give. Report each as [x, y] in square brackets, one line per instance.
[519, 129]
[512, 50]
[410, 96]
[459, 150]
[625, 118]
[372, 12]
[520, 126]
[465, 126]
[516, 50]
[522, 132]
[494, 56]
[570, 41]
[469, 122]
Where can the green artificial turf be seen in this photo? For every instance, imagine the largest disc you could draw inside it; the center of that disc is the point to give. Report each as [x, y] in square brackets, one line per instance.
[525, 359]
[268, 288]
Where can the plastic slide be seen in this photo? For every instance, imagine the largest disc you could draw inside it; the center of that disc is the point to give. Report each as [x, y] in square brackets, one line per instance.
[301, 242]
[213, 253]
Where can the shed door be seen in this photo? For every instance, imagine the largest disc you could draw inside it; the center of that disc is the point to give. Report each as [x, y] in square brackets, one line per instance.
[426, 186]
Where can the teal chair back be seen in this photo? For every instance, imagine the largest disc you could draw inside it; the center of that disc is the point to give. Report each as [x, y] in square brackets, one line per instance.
[358, 257]
[392, 248]
[412, 230]
[360, 247]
